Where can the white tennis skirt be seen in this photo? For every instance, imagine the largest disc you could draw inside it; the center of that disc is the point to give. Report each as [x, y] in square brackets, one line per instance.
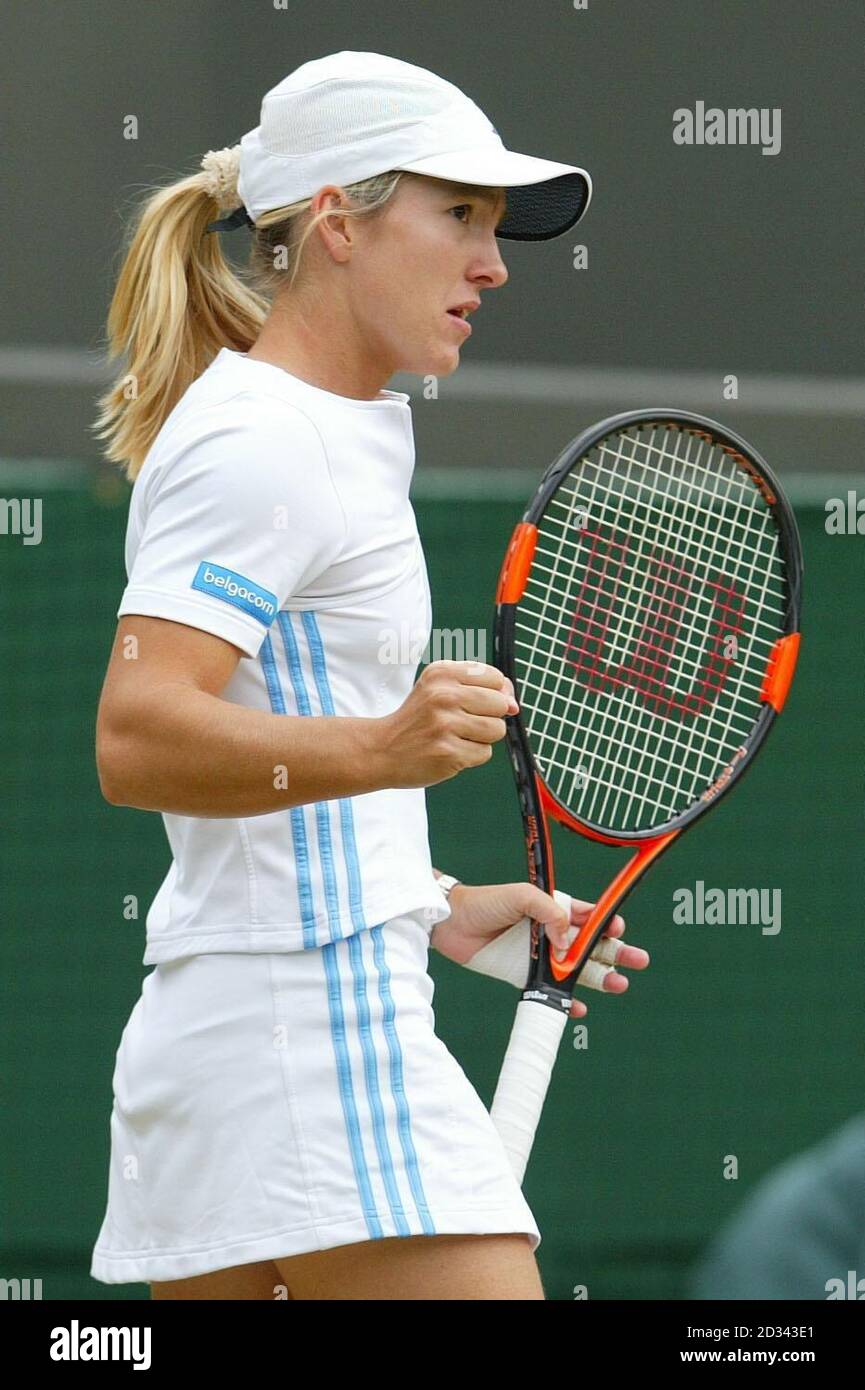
[270, 1105]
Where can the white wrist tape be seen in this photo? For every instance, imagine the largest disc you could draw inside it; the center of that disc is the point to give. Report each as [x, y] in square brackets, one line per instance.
[506, 957]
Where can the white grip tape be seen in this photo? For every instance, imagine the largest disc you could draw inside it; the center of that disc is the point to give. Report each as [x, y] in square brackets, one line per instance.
[525, 1078]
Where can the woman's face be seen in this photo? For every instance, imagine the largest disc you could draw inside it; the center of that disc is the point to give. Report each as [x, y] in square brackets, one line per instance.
[432, 248]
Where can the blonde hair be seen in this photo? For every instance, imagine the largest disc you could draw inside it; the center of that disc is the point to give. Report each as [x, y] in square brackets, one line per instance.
[177, 301]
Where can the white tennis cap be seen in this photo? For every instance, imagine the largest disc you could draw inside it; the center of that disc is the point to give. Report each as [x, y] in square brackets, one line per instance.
[349, 115]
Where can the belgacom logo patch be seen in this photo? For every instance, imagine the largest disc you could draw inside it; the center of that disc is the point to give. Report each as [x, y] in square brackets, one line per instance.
[235, 589]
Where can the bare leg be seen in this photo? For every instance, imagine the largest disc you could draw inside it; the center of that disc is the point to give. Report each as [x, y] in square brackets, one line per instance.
[240, 1281]
[417, 1267]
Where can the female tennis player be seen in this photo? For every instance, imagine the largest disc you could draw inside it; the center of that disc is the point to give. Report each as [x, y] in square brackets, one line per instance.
[286, 1123]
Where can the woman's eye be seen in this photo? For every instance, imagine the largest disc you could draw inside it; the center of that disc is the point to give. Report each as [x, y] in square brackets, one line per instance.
[463, 207]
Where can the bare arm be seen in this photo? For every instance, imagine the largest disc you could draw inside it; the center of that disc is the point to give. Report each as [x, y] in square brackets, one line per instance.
[167, 741]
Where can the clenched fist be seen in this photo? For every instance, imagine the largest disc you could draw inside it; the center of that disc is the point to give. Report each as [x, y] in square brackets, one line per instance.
[454, 714]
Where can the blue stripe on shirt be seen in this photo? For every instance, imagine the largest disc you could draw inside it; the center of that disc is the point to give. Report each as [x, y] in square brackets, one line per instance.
[322, 813]
[298, 824]
[346, 817]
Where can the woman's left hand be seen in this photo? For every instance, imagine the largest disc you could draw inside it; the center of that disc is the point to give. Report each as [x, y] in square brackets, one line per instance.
[488, 930]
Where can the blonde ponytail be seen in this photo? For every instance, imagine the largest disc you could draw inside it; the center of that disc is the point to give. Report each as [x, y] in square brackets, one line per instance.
[177, 301]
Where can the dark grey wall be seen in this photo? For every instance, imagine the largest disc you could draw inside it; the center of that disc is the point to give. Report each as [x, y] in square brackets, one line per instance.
[713, 258]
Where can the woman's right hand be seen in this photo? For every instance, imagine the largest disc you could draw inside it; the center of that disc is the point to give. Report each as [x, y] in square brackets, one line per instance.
[452, 717]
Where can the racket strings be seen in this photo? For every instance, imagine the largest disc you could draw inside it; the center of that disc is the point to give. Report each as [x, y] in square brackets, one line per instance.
[678, 493]
[705, 630]
[634, 746]
[772, 613]
[687, 659]
[654, 598]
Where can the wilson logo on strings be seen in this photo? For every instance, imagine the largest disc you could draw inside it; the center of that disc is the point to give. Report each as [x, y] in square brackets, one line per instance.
[671, 632]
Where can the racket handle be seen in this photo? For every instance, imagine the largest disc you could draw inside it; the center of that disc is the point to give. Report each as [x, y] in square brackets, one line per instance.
[525, 1078]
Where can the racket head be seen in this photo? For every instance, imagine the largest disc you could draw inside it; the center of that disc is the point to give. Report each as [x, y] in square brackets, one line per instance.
[655, 537]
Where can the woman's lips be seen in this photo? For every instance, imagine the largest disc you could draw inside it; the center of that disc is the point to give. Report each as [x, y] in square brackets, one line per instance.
[463, 323]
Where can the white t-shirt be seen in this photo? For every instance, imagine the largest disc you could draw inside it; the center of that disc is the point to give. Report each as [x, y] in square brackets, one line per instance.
[277, 516]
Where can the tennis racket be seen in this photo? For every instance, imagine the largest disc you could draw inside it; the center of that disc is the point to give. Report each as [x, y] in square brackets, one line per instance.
[647, 613]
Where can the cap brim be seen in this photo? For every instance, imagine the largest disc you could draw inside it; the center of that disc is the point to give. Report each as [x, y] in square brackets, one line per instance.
[545, 198]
